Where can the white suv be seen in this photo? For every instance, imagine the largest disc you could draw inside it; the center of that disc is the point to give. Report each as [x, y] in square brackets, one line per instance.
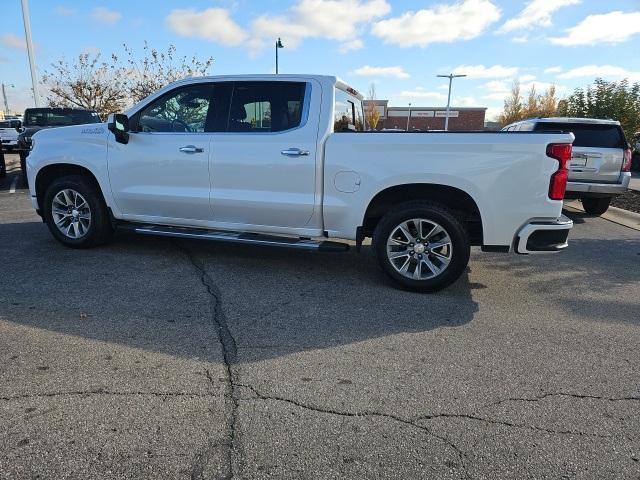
[601, 161]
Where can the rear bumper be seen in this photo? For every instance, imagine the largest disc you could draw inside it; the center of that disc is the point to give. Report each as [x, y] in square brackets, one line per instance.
[543, 236]
[619, 188]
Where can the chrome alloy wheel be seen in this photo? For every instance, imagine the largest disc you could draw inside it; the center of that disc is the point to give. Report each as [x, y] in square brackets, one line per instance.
[71, 213]
[419, 249]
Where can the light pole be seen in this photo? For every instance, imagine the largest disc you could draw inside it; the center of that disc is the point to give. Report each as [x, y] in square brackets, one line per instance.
[4, 97]
[32, 59]
[279, 45]
[409, 117]
[451, 76]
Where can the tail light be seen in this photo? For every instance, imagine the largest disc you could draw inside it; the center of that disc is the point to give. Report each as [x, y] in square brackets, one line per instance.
[562, 153]
[626, 162]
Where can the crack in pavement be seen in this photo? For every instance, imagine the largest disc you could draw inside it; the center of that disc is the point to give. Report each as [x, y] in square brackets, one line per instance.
[102, 391]
[364, 413]
[229, 356]
[561, 394]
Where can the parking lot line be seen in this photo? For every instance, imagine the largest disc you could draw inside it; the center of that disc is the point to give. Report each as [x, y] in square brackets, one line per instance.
[14, 184]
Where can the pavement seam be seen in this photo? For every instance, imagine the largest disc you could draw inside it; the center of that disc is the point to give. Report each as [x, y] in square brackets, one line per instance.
[364, 413]
[562, 394]
[101, 391]
[229, 355]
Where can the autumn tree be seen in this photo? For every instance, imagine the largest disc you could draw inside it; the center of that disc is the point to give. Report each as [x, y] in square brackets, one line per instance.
[513, 108]
[536, 105]
[371, 112]
[87, 82]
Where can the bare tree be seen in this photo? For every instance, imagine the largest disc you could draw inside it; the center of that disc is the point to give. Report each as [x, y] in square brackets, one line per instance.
[87, 82]
[371, 112]
[156, 69]
[512, 106]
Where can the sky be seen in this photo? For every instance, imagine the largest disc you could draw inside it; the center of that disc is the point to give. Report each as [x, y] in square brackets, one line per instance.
[397, 45]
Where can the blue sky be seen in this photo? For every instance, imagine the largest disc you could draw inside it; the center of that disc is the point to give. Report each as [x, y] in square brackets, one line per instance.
[399, 45]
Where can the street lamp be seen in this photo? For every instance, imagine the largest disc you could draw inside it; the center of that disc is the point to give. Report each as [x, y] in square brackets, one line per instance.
[278, 46]
[4, 96]
[446, 117]
[32, 61]
[409, 117]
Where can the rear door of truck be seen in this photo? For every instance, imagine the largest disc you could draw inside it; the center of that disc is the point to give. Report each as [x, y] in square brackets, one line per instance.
[598, 151]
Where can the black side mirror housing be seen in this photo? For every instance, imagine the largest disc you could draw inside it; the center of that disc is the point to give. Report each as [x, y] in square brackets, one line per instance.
[119, 126]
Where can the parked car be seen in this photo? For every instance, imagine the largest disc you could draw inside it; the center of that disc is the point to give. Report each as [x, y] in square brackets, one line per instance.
[36, 119]
[9, 133]
[3, 165]
[267, 160]
[635, 156]
[601, 163]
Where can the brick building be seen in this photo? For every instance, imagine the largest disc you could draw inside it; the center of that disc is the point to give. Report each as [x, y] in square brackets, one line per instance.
[428, 118]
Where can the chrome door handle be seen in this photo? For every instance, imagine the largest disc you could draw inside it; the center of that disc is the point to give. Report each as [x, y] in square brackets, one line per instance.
[295, 152]
[191, 149]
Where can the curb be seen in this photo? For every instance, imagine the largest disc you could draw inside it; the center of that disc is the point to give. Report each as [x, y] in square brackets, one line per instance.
[614, 214]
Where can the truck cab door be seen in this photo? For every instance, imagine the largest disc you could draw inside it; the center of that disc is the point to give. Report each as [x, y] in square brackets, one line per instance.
[263, 168]
[162, 174]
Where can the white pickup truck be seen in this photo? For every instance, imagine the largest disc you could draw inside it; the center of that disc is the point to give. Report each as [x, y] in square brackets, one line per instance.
[285, 160]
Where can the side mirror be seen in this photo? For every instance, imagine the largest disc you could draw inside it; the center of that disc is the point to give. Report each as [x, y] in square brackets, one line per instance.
[17, 124]
[119, 125]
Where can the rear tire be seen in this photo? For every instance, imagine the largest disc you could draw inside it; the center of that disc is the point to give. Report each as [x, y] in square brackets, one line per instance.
[596, 206]
[75, 212]
[422, 246]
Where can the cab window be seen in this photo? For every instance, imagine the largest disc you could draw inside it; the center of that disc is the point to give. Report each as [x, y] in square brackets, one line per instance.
[348, 115]
[262, 107]
[184, 110]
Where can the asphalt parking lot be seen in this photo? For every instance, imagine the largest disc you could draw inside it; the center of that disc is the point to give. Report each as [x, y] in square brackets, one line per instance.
[153, 358]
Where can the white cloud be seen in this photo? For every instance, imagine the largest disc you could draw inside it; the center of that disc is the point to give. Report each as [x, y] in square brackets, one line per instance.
[105, 16]
[537, 13]
[64, 11]
[602, 71]
[521, 39]
[369, 71]
[355, 44]
[11, 40]
[527, 78]
[556, 69]
[331, 19]
[609, 28]
[465, 102]
[464, 20]
[213, 24]
[481, 71]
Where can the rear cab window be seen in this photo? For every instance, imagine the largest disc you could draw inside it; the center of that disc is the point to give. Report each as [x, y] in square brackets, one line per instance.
[588, 135]
[347, 111]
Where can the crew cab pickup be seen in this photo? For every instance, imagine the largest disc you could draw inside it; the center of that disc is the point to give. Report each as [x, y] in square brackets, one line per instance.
[285, 160]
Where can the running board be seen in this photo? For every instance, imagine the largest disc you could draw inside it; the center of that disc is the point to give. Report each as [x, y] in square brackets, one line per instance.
[248, 238]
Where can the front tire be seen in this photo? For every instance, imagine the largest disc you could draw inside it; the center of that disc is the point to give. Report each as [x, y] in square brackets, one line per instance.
[596, 206]
[422, 246]
[75, 212]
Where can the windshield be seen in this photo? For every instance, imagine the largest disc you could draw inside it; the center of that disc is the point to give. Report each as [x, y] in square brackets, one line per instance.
[5, 125]
[58, 117]
[603, 136]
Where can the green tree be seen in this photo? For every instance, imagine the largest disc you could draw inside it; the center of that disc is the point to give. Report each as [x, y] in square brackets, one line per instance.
[513, 108]
[610, 100]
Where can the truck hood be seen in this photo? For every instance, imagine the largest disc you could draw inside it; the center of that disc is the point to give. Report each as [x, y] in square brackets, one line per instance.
[71, 132]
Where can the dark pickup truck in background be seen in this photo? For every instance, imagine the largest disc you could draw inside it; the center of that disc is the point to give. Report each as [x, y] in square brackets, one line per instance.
[36, 119]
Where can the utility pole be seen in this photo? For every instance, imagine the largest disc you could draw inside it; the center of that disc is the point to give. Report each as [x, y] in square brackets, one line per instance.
[32, 60]
[409, 117]
[4, 96]
[279, 45]
[446, 117]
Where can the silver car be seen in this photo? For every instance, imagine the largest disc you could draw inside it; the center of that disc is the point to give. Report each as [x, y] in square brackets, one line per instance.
[601, 162]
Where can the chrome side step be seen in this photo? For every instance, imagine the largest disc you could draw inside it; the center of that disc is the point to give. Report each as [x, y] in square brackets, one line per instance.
[248, 238]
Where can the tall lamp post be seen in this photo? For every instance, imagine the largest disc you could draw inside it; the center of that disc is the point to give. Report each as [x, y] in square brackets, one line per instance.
[279, 45]
[4, 97]
[409, 117]
[446, 117]
[32, 58]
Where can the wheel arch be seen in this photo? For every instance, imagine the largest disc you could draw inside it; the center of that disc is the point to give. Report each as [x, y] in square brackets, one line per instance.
[49, 173]
[455, 199]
